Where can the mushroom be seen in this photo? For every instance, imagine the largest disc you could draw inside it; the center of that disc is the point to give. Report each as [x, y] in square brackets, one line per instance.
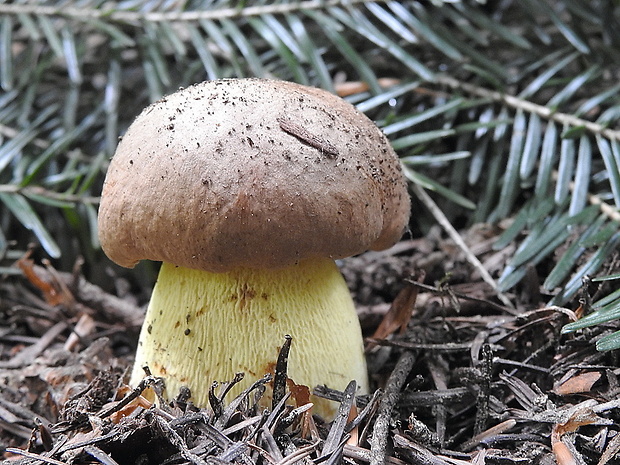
[247, 190]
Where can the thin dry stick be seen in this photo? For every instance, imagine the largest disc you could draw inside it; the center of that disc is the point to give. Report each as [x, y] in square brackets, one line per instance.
[378, 441]
[607, 209]
[611, 212]
[100, 455]
[13, 133]
[42, 192]
[126, 16]
[484, 390]
[177, 441]
[336, 432]
[456, 237]
[530, 107]
[31, 455]
[25, 356]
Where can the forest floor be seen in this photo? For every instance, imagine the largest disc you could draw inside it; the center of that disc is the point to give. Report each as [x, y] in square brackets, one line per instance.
[460, 377]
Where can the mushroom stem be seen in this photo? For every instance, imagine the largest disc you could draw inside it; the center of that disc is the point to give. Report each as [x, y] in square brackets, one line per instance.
[202, 326]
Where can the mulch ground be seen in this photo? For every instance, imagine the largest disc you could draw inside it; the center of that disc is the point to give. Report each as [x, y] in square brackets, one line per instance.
[459, 376]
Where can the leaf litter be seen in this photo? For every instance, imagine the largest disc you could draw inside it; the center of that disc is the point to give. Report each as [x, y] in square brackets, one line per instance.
[458, 376]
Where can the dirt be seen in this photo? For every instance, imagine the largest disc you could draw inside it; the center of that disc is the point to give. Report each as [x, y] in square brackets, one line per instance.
[460, 377]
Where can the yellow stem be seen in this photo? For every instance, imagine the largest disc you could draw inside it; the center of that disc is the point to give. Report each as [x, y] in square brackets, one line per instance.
[202, 327]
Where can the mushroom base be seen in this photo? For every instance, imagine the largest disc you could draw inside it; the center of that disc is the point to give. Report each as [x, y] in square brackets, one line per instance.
[202, 327]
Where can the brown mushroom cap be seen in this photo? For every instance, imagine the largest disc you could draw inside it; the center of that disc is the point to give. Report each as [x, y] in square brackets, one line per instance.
[254, 173]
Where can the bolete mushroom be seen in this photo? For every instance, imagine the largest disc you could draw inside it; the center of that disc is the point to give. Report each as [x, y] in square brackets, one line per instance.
[247, 190]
